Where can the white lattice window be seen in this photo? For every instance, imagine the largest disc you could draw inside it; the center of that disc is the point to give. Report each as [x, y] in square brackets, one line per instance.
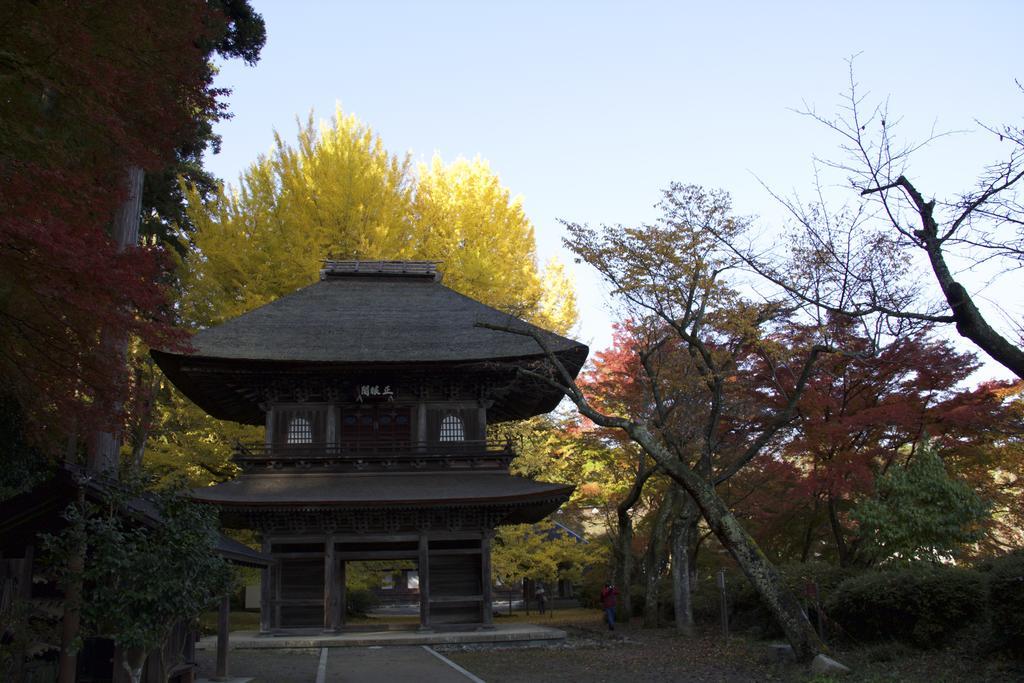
[300, 430]
[452, 429]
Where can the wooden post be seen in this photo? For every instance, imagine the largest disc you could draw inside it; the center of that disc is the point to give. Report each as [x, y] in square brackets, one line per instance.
[724, 605]
[266, 593]
[485, 578]
[424, 572]
[330, 587]
[223, 624]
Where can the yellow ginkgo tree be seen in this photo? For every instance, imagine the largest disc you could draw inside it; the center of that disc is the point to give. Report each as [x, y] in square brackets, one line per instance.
[337, 192]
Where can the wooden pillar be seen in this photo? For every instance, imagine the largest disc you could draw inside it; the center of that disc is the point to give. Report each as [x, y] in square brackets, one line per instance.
[266, 593]
[421, 423]
[485, 578]
[424, 572]
[333, 425]
[342, 593]
[269, 433]
[222, 637]
[330, 587]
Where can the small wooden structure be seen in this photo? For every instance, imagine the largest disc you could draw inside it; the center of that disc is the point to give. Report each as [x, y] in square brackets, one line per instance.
[376, 387]
[25, 517]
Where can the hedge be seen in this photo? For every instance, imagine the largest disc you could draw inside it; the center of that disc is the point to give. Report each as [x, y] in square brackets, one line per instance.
[1006, 601]
[923, 606]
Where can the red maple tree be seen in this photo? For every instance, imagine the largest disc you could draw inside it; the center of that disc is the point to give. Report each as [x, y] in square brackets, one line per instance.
[90, 88]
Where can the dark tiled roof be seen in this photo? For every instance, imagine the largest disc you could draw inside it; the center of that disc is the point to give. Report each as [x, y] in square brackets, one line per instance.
[42, 509]
[375, 490]
[373, 320]
[241, 554]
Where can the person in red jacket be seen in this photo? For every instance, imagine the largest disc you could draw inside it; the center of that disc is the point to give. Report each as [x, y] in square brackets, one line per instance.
[608, 599]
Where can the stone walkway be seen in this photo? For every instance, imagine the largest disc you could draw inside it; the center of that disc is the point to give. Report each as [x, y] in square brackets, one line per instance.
[374, 664]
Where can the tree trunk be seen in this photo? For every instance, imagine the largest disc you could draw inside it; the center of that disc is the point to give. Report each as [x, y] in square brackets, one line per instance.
[837, 533]
[654, 558]
[133, 660]
[142, 420]
[67, 661]
[970, 322]
[683, 527]
[105, 446]
[624, 542]
[624, 565]
[809, 533]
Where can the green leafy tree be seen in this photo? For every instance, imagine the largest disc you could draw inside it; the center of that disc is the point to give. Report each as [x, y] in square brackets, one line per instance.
[148, 564]
[527, 551]
[919, 512]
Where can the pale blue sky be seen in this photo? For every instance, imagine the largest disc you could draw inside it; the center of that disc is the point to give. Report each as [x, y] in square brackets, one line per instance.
[587, 109]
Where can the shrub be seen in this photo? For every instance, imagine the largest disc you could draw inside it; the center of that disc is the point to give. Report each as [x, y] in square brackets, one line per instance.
[359, 601]
[748, 611]
[919, 605]
[1006, 601]
[589, 591]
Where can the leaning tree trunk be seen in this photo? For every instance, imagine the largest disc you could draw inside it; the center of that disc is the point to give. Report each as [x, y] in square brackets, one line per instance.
[734, 538]
[752, 561]
[683, 527]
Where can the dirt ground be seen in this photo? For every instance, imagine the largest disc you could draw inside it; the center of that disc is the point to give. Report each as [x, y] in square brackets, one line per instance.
[591, 654]
[639, 655]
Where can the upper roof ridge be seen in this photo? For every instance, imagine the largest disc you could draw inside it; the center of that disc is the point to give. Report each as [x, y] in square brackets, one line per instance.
[415, 269]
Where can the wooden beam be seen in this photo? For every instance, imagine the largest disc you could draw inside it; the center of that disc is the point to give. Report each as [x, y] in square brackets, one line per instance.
[423, 569]
[379, 555]
[456, 551]
[408, 537]
[223, 625]
[485, 578]
[439, 599]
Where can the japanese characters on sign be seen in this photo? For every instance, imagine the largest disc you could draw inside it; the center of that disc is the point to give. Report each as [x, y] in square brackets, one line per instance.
[374, 392]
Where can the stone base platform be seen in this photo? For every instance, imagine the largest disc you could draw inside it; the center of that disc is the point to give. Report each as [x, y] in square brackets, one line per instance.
[518, 634]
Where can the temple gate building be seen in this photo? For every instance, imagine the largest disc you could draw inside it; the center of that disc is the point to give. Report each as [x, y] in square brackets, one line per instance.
[376, 388]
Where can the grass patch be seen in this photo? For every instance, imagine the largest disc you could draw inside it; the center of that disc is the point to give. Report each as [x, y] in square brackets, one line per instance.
[237, 621]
